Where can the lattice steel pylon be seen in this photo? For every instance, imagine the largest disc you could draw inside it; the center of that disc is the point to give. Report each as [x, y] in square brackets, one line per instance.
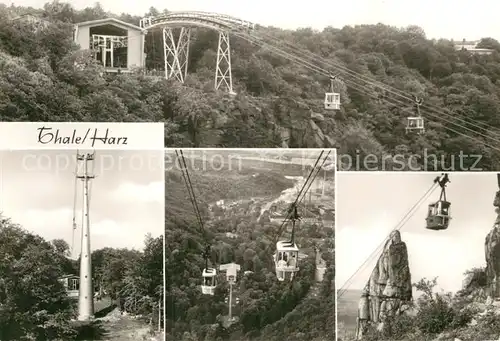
[223, 69]
[176, 53]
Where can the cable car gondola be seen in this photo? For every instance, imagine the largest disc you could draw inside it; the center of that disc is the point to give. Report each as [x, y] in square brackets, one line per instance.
[438, 216]
[416, 123]
[332, 99]
[209, 281]
[287, 253]
[209, 275]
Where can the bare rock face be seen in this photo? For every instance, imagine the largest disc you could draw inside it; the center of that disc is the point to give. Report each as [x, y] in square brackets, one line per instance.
[492, 254]
[389, 289]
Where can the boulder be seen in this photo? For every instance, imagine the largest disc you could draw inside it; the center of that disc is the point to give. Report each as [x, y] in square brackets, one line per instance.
[389, 289]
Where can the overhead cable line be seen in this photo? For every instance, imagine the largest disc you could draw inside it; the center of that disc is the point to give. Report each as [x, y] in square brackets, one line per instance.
[314, 177]
[299, 55]
[367, 91]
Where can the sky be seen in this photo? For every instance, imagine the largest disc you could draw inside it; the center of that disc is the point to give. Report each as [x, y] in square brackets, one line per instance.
[378, 201]
[444, 18]
[126, 201]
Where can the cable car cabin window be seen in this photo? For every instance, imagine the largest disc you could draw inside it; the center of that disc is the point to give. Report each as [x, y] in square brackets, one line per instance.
[415, 123]
[281, 264]
[439, 216]
[437, 222]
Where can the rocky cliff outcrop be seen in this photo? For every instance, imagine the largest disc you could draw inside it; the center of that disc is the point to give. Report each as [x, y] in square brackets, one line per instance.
[389, 289]
[492, 254]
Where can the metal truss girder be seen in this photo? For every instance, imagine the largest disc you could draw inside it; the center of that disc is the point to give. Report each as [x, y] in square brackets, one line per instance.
[223, 75]
[176, 53]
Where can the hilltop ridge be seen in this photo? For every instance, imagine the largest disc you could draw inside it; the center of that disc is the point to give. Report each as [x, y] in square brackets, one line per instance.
[278, 103]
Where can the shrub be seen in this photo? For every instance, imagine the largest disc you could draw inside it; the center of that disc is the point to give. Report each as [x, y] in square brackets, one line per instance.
[403, 325]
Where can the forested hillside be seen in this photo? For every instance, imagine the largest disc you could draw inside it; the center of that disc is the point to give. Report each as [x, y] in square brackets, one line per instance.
[277, 102]
[266, 309]
[34, 304]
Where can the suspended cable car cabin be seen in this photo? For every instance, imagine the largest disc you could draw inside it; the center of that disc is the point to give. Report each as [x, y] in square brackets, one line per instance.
[332, 98]
[416, 123]
[209, 275]
[286, 260]
[438, 216]
[209, 281]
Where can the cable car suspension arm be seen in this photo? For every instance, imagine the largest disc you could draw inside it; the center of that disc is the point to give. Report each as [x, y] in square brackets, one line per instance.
[75, 196]
[295, 216]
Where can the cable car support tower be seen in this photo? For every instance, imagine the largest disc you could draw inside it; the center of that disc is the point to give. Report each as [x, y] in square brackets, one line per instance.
[439, 181]
[286, 257]
[86, 290]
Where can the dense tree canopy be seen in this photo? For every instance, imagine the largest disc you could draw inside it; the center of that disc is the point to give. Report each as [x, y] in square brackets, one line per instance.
[278, 102]
[34, 304]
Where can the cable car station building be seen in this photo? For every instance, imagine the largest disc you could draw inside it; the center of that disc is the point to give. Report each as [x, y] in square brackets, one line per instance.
[117, 45]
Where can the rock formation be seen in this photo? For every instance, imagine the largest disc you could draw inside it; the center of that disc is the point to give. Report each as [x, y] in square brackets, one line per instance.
[492, 254]
[389, 289]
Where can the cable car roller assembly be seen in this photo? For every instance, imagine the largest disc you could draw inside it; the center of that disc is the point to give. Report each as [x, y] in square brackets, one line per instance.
[286, 257]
